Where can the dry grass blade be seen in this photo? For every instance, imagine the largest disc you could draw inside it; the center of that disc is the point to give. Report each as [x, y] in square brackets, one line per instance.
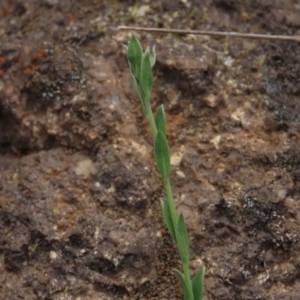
[215, 33]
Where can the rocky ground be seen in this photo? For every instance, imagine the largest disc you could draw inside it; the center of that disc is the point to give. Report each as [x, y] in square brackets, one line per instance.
[80, 215]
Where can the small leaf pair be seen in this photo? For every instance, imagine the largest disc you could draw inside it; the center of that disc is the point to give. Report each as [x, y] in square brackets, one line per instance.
[197, 285]
[135, 55]
[168, 218]
[141, 64]
[178, 231]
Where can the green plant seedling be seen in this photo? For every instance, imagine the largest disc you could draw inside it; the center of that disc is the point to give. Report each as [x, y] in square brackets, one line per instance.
[141, 64]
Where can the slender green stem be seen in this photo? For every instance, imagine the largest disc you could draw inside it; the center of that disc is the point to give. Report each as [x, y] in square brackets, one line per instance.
[174, 215]
[141, 64]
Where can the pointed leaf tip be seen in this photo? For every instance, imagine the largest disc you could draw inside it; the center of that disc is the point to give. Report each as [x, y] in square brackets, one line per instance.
[153, 57]
[134, 55]
[198, 284]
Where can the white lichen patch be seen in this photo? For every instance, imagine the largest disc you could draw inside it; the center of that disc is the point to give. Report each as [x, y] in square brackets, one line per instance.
[53, 255]
[85, 168]
[216, 141]
[177, 156]
[142, 149]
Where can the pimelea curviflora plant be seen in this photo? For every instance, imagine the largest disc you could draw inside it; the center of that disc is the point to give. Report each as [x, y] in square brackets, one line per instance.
[141, 64]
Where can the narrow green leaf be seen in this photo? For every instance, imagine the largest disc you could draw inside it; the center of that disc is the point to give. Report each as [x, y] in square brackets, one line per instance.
[182, 239]
[183, 284]
[198, 284]
[162, 155]
[160, 120]
[167, 217]
[146, 77]
[153, 57]
[134, 56]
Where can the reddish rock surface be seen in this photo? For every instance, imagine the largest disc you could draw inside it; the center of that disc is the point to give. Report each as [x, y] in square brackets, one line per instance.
[79, 192]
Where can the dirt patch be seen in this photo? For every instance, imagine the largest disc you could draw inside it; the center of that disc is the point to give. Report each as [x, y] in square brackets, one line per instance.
[79, 192]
